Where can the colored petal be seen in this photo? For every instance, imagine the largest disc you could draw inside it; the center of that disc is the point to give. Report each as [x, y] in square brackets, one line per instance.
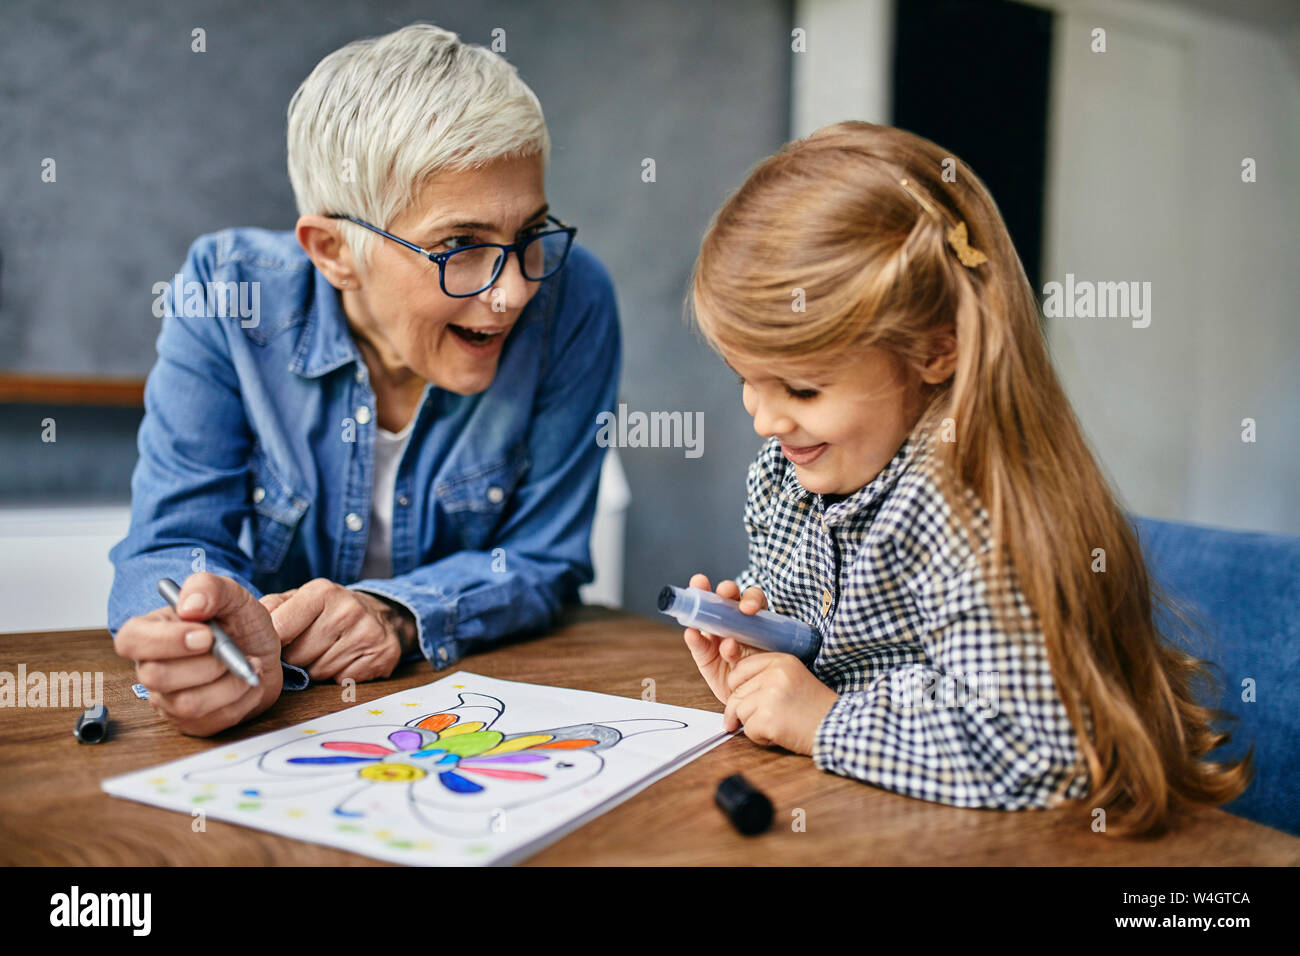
[320, 760]
[406, 739]
[568, 744]
[517, 743]
[356, 747]
[429, 752]
[466, 728]
[505, 774]
[506, 758]
[471, 744]
[277, 760]
[455, 782]
[436, 722]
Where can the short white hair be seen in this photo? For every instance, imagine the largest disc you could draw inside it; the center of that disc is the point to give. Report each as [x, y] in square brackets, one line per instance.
[377, 117]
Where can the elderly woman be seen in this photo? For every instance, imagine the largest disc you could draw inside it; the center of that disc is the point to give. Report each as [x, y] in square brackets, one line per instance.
[395, 455]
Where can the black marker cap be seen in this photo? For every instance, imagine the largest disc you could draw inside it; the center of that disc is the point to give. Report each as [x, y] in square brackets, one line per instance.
[748, 809]
[92, 726]
[666, 597]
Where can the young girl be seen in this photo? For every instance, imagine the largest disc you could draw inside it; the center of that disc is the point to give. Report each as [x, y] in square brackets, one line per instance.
[926, 500]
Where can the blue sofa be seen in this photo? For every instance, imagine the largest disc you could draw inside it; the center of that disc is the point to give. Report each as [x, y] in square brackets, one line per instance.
[1245, 586]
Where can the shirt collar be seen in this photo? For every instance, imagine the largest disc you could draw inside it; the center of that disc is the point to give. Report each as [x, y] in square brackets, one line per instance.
[914, 447]
[324, 343]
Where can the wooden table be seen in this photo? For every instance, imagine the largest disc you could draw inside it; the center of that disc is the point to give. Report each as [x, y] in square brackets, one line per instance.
[52, 810]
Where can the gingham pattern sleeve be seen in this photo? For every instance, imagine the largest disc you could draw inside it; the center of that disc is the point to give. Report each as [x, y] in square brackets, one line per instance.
[978, 722]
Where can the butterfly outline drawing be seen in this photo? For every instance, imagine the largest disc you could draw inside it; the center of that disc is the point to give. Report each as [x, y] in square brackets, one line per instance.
[451, 770]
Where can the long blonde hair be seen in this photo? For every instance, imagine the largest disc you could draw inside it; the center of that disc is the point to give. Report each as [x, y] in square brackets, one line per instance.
[827, 216]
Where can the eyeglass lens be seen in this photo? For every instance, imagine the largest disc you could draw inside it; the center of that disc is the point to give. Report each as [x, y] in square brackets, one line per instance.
[469, 271]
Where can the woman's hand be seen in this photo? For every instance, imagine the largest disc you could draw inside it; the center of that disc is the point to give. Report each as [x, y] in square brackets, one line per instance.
[188, 686]
[716, 656]
[778, 701]
[334, 632]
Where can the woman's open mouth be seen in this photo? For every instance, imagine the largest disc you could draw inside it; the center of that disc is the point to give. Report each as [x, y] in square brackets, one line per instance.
[480, 338]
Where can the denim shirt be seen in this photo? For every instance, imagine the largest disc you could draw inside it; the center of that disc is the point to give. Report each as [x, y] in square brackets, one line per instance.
[256, 453]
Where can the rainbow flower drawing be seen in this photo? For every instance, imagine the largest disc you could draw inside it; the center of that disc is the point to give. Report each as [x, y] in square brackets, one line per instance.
[450, 771]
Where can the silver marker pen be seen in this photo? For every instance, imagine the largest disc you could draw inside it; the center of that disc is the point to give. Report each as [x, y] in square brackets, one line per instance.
[766, 630]
[223, 648]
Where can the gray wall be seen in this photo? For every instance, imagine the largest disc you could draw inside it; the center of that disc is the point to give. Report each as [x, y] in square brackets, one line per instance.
[1148, 187]
[156, 144]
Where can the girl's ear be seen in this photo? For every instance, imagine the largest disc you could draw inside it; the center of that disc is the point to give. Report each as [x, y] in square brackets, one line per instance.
[943, 357]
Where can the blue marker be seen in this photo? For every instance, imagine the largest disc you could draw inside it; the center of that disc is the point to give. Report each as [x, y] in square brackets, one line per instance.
[766, 630]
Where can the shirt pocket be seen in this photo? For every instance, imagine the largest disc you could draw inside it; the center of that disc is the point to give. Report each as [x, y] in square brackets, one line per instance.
[277, 512]
[477, 500]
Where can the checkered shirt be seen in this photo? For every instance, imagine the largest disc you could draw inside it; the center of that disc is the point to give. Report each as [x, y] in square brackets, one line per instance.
[936, 701]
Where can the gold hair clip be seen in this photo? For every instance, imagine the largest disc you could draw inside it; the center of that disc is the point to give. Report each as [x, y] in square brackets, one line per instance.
[969, 256]
[956, 236]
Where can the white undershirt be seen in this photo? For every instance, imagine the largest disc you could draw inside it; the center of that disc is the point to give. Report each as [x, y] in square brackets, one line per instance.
[379, 545]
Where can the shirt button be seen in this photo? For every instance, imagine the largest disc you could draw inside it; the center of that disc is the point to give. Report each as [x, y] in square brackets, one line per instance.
[258, 494]
[826, 602]
[823, 521]
[495, 494]
[363, 415]
[360, 375]
[442, 653]
[353, 521]
[403, 500]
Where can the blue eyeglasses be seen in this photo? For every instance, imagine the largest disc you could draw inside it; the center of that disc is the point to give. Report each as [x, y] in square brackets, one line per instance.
[469, 270]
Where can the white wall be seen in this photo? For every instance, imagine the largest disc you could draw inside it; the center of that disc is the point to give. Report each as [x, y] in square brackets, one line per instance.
[846, 71]
[1145, 156]
[54, 568]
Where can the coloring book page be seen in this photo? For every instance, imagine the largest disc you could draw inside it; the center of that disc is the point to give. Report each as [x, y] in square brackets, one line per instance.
[467, 770]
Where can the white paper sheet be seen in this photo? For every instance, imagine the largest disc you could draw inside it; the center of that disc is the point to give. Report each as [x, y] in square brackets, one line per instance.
[467, 770]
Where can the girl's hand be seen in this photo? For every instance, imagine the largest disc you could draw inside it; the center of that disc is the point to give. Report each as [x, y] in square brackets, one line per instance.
[778, 700]
[716, 656]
